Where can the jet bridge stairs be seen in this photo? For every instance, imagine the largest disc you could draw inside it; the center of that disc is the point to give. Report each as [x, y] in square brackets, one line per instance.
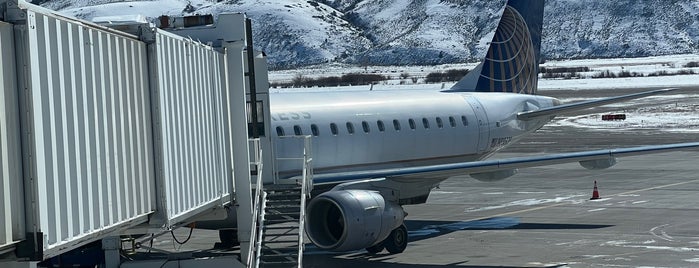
[279, 212]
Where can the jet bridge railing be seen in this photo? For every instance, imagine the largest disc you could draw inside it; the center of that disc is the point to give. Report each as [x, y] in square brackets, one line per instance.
[305, 180]
[306, 187]
[253, 260]
[288, 170]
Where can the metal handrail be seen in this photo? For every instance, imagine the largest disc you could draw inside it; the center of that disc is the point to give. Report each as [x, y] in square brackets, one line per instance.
[306, 187]
[260, 227]
[306, 183]
[258, 209]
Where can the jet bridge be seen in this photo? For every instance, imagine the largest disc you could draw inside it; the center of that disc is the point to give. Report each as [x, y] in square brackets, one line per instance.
[124, 128]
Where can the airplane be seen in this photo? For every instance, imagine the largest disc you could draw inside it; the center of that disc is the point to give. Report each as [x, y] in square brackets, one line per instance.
[376, 151]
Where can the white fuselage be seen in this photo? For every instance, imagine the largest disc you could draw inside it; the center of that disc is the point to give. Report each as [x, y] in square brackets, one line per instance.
[365, 130]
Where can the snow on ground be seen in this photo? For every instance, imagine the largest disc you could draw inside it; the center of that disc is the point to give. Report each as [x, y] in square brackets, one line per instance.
[530, 202]
[149, 9]
[617, 83]
[670, 121]
[670, 59]
[338, 69]
[647, 65]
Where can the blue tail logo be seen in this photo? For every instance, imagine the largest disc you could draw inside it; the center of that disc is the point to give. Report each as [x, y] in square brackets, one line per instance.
[512, 61]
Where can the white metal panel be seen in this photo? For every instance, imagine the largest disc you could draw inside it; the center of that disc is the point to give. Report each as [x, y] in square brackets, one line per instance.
[193, 165]
[12, 199]
[91, 159]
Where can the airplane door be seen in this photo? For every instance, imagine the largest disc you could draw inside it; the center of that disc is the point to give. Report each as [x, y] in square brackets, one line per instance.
[481, 123]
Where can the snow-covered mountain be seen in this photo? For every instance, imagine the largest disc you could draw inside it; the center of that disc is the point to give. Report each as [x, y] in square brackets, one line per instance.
[398, 32]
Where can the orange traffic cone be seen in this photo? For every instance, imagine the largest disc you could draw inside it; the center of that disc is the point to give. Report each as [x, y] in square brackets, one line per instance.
[595, 193]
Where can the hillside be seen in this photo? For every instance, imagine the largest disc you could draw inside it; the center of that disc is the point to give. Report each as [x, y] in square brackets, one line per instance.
[393, 32]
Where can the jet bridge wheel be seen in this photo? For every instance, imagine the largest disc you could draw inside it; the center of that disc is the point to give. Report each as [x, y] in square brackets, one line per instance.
[229, 238]
[397, 241]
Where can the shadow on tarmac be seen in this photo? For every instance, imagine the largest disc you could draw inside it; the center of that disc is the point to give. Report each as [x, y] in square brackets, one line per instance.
[425, 229]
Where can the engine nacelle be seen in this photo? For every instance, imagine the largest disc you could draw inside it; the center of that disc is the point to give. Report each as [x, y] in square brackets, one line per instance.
[598, 163]
[351, 219]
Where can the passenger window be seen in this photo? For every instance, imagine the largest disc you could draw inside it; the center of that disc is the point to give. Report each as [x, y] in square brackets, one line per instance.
[452, 121]
[297, 130]
[350, 128]
[333, 128]
[396, 124]
[425, 123]
[365, 126]
[440, 124]
[314, 130]
[380, 125]
[411, 122]
[464, 120]
[280, 131]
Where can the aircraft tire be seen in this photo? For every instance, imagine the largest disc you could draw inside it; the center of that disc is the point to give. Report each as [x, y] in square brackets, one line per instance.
[397, 241]
[376, 248]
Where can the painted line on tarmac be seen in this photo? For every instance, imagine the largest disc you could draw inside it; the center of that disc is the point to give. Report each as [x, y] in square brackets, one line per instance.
[565, 203]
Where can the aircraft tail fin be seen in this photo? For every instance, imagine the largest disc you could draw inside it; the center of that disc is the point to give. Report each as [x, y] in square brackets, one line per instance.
[512, 61]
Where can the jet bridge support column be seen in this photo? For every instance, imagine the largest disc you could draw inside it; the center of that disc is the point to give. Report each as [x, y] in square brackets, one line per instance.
[241, 156]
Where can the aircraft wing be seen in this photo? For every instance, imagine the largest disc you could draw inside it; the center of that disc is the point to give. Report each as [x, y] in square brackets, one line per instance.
[596, 159]
[572, 107]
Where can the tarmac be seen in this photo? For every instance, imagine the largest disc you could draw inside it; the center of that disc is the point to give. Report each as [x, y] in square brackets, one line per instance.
[543, 217]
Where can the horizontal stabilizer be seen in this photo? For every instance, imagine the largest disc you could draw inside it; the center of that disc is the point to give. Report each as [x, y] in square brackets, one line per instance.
[572, 107]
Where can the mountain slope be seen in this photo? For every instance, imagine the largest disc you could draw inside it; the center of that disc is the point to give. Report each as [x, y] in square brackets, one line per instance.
[396, 32]
[588, 28]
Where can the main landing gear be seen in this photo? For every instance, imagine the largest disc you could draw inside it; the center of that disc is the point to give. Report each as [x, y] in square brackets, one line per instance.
[395, 243]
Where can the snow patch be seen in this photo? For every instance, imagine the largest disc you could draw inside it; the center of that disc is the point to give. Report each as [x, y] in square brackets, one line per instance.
[526, 202]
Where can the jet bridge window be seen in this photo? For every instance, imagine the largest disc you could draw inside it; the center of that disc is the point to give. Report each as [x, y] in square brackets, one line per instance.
[396, 124]
[297, 130]
[260, 124]
[380, 125]
[280, 131]
[452, 121]
[411, 122]
[333, 129]
[464, 120]
[425, 123]
[314, 130]
[350, 128]
[440, 124]
[365, 126]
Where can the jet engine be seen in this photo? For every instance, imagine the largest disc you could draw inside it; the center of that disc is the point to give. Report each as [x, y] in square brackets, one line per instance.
[596, 164]
[346, 220]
